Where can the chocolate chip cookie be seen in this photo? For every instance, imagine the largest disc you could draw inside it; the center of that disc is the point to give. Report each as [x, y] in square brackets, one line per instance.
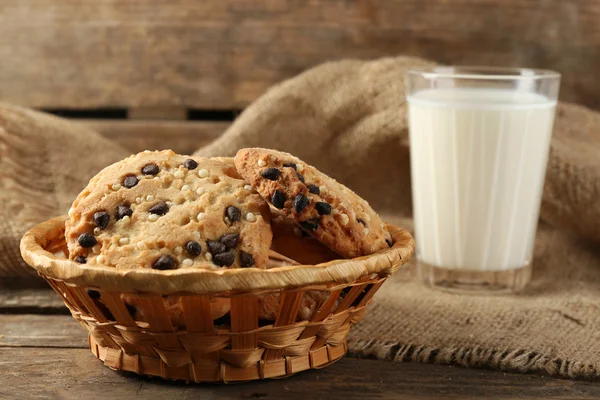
[165, 211]
[321, 206]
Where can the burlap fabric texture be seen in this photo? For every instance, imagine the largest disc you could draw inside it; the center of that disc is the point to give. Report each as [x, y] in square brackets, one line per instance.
[348, 118]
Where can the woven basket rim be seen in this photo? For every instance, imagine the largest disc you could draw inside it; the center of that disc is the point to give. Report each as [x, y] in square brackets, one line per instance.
[200, 281]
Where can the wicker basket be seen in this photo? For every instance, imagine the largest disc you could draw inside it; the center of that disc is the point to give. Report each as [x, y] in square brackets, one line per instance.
[240, 348]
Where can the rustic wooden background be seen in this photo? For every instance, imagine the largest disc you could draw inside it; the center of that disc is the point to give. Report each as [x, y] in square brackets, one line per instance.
[160, 58]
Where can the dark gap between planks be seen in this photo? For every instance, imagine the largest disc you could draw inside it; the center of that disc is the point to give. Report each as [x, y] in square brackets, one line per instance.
[122, 113]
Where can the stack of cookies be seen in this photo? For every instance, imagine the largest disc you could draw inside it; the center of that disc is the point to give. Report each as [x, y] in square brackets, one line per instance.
[165, 211]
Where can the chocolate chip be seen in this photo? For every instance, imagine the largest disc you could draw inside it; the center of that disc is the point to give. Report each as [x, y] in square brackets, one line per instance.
[361, 221]
[164, 262]
[290, 165]
[389, 242]
[300, 202]
[310, 225]
[300, 177]
[224, 259]
[190, 164]
[130, 181]
[80, 259]
[233, 213]
[150, 169]
[278, 199]
[86, 240]
[314, 189]
[323, 208]
[231, 240]
[271, 173]
[159, 208]
[101, 219]
[193, 248]
[215, 247]
[94, 294]
[246, 259]
[123, 211]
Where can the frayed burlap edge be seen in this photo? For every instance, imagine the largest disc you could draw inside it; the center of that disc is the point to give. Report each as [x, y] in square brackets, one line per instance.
[508, 360]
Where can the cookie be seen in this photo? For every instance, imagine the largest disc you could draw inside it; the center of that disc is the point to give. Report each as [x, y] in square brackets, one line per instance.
[165, 211]
[290, 241]
[321, 206]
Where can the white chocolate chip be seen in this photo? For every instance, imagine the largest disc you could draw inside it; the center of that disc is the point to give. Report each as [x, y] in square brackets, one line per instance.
[203, 173]
[100, 259]
[208, 256]
[335, 211]
[126, 219]
[188, 262]
[344, 219]
[366, 231]
[139, 200]
[71, 211]
[261, 163]
[149, 197]
[179, 174]
[199, 191]
[196, 235]
[141, 245]
[124, 240]
[96, 249]
[156, 178]
[323, 189]
[200, 216]
[178, 250]
[248, 187]
[185, 188]
[96, 231]
[299, 167]
[152, 217]
[214, 267]
[366, 217]
[250, 217]
[169, 203]
[116, 186]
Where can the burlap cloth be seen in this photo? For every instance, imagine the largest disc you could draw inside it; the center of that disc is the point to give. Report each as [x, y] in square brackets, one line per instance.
[348, 118]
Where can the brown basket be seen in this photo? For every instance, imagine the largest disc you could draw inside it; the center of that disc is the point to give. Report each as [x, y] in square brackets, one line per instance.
[239, 347]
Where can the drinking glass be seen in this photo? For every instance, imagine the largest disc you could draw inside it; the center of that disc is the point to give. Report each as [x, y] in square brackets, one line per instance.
[479, 141]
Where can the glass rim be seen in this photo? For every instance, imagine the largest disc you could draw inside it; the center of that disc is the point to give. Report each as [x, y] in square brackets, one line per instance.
[483, 73]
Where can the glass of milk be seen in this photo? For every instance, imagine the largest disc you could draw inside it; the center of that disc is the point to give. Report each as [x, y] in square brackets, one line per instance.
[479, 141]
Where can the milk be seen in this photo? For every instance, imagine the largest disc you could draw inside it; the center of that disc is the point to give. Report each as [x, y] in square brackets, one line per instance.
[478, 160]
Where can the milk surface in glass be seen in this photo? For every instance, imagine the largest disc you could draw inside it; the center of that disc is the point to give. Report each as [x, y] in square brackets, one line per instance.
[478, 160]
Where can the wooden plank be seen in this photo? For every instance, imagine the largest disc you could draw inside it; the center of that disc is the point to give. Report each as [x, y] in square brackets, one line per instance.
[31, 301]
[76, 374]
[27, 330]
[220, 55]
[183, 137]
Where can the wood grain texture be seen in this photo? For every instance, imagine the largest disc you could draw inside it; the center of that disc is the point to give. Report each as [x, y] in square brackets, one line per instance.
[27, 330]
[183, 137]
[31, 301]
[76, 374]
[219, 54]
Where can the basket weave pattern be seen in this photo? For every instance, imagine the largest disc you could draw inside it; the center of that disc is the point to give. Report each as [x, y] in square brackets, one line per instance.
[238, 348]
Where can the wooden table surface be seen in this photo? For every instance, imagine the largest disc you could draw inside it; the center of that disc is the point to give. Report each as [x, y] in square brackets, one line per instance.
[44, 355]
